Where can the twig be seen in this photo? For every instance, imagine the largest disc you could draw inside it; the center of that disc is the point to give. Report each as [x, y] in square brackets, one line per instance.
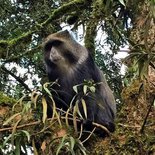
[30, 124]
[102, 127]
[145, 119]
[89, 135]
[128, 126]
[20, 126]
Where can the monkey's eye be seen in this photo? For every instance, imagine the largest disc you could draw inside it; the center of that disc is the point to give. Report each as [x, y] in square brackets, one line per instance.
[51, 43]
[70, 57]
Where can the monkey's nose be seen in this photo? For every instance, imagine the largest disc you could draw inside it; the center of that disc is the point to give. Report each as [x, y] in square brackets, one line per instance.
[54, 55]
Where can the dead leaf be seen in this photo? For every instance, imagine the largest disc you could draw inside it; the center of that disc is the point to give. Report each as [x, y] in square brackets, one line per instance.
[43, 146]
[61, 133]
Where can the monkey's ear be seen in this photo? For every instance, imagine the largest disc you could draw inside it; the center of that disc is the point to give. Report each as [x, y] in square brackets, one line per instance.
[72, 19]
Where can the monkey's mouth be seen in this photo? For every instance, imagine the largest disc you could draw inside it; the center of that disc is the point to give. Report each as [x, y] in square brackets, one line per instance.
[55, 59]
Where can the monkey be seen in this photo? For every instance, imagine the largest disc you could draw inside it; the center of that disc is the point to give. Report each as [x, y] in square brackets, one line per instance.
[71, 63]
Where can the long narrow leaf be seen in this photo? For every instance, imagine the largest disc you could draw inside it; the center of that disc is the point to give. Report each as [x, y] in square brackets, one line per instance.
[34, 147]
[85, 88]
[27, 134]
[20, 101]
[72, 144]
[13, 132]
[44, 103]
[78, 110]
[34, 97]
[18, 146]
[11, 118]
[61, 145]
[55, 113]
[74, 117]
[66, 117]
[46, 89]
[84, 107]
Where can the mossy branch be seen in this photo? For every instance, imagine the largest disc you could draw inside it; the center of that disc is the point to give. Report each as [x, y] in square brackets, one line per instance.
[4, 44]
[68, 7]
[90, 36]
[91, 29]
[55, 14]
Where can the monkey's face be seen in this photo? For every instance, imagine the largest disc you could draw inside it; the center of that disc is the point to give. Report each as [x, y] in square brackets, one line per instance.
[53, 52]
[63, 51]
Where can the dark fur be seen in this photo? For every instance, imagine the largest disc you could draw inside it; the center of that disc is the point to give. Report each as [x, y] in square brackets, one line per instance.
[77, 66]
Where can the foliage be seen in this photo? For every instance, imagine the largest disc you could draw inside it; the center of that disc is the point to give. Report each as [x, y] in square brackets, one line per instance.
[29, 114]
[24, 24]
[23, 27]
[28, 128]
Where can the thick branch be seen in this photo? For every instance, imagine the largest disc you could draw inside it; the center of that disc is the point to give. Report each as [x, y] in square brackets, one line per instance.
[68, 7]
[17, 78]
[91, 31]
[90, 36]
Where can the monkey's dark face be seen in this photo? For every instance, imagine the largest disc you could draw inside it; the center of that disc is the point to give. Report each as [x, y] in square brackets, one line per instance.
[55, 51]
[63, 52]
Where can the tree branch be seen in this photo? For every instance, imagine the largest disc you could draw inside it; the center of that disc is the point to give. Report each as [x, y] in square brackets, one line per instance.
[17, 78]
[90, 36]
[55, 14]
[68, 7]
[4, 44]
[16, 57]
[145, 119]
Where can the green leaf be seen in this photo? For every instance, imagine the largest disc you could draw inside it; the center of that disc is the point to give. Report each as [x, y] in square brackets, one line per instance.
[61, 145]
[18, 146]
[92, 89]
[27, 134]
[75, 88]
[46, 89]
[55, 113]
[122, 2]
[78, 111]
[26, 107]
[34, 147]
[85, 87]
[20, 101]
[72, 143]
[14, 131]
[66, 117]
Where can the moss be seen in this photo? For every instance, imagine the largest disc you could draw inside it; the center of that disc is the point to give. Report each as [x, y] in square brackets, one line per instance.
[21, 37]
[4, 99]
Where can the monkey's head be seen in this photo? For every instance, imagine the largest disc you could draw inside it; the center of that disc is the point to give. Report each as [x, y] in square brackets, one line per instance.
[62, 51]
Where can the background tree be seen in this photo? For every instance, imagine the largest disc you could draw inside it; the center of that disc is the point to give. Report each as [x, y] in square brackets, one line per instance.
[25, 24]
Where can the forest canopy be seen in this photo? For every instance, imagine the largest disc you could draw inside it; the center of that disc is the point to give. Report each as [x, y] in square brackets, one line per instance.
[105, 28]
